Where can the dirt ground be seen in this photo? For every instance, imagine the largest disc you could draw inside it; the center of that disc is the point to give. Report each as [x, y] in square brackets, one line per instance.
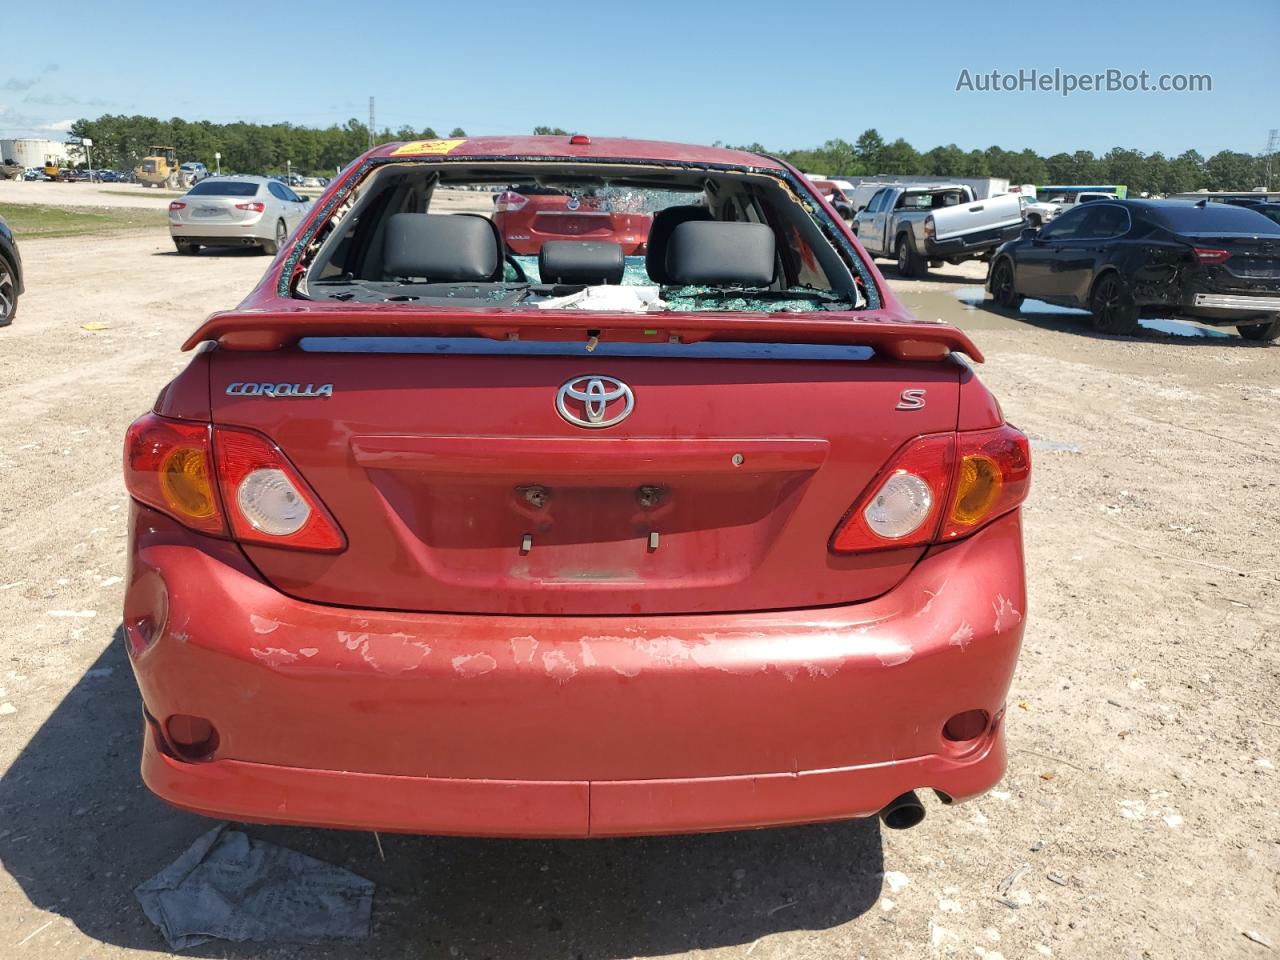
[1138, 818]
[84, 194]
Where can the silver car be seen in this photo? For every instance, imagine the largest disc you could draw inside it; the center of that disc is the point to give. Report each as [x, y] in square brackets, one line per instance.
[236, 212]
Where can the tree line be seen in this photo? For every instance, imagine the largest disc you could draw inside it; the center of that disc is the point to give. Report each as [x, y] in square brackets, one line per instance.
[119, 142]
[1141, 172]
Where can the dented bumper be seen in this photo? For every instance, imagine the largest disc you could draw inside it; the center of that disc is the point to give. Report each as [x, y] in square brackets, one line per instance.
[574, 726]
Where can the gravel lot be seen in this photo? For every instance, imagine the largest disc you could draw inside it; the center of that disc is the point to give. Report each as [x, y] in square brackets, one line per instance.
[1138, 818]
[84, 194]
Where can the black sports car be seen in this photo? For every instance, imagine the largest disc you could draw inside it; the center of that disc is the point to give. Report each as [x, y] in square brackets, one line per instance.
[1127, 259]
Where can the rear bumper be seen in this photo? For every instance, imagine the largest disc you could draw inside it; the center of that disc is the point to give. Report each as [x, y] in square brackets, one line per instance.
[230, 234]
[269, 793]
[1232, 307]
[576, 726]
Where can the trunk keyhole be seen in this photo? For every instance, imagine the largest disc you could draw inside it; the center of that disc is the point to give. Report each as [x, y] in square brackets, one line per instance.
[536, 496]
[649, 497]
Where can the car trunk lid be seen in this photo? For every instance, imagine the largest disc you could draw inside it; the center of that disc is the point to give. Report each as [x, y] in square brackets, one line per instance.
[468, 480]
[1250, 257]
[580, 223]
[214, 208]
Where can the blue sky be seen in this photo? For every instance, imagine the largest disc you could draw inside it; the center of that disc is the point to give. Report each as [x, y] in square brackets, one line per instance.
[785, 74]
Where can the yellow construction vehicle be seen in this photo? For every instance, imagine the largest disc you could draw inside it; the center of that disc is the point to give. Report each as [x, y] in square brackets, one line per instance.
[52, 167]
[159, 168]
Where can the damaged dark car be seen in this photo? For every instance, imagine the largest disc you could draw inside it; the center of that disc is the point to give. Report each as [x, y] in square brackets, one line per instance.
[1127, 259]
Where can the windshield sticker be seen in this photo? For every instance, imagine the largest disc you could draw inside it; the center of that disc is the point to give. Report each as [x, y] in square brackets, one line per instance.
[424, 147]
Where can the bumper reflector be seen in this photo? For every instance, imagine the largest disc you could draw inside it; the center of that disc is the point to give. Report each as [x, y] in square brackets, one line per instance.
[192, 738]
[966, 726]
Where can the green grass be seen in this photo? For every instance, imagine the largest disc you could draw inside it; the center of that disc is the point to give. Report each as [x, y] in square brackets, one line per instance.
[29, 220]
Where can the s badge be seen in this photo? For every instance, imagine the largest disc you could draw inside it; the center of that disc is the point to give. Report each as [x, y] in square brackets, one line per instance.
[911, 399]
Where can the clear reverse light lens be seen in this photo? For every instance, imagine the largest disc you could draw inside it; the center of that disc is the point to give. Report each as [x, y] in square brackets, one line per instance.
[903, 503]
[271, 503]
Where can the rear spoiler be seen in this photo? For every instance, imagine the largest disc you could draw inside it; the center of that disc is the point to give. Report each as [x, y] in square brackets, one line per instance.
[894, 335]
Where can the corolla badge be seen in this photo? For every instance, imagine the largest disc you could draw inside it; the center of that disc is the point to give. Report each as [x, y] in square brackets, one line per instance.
[594, 401]
[276, 390]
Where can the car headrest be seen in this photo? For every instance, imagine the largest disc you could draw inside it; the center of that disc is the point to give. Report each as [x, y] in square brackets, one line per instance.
[580, 261]
[721, 254]
[443, 247]
[664, 221]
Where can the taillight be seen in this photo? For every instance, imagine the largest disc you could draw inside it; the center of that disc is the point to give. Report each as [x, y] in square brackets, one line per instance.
[1211, 255]
[167, 466]
[267, 499]
[225, 481]
[509, 202]
[993, 475]
[930, 228]
[255, 206]
[177, 205]
[901, 506]
[937, 488]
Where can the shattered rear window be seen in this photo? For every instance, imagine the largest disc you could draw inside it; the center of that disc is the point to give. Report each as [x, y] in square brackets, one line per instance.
[596, 208]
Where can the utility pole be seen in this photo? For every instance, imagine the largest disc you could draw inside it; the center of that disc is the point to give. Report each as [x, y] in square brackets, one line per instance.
[1272, 137]
[371, 123]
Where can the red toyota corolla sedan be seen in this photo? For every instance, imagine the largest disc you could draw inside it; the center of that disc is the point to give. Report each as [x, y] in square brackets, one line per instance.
[436, 537]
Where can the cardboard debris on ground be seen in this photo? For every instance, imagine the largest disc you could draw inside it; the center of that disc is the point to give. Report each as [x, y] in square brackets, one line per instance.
[231, 887]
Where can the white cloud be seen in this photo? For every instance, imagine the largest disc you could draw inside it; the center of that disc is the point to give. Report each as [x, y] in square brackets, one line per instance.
[16, 124]
[46, 99]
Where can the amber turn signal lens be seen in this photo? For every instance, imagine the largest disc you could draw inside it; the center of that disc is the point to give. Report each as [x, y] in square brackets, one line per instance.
[184, 480]
[977, 489]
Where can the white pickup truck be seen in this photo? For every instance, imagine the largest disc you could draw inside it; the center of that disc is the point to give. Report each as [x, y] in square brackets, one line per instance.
[1067, 200]
[927, 224]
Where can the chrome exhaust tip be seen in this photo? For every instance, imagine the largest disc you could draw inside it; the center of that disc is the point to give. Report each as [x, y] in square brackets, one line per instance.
[902, 813]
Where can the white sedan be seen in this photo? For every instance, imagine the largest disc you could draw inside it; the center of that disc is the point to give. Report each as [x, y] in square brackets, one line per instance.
[236, 212]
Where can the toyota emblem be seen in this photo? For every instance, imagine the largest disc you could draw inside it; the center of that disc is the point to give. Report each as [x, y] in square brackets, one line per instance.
[594, 401]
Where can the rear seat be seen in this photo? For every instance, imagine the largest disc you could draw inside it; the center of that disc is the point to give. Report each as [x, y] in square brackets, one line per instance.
[665, 221]
[720, 254]
[580, 262]
[443, 248]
